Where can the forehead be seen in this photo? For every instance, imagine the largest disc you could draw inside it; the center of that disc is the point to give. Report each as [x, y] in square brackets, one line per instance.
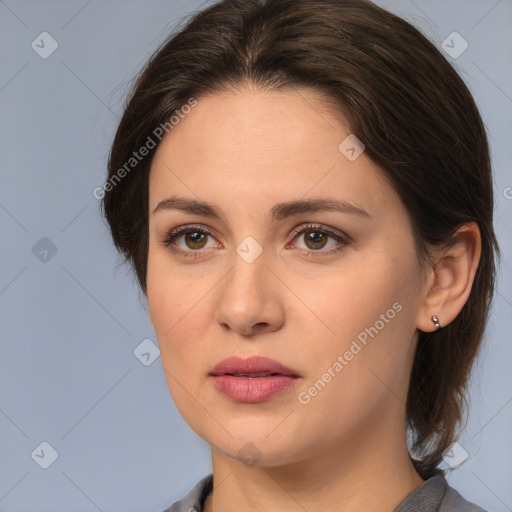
[248, 144]
[246, 120]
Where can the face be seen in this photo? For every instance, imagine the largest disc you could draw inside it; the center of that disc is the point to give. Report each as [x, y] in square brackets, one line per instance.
[263, 267]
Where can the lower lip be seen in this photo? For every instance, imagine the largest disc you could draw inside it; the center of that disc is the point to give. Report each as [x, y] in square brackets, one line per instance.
[252, 390]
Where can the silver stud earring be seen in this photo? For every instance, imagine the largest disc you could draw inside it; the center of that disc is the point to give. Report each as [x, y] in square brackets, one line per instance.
[436, 322]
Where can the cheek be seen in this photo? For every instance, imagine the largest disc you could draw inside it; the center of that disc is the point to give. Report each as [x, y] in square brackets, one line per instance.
[168, 293]
[349, 301]
[179, 311]
[366, 316]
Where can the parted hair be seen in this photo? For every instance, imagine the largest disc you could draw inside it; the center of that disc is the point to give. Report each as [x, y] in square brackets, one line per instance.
[401, 97]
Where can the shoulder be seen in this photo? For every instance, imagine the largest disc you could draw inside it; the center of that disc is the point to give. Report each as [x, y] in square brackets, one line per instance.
[193, 501]
[436, 495]
[453, 501]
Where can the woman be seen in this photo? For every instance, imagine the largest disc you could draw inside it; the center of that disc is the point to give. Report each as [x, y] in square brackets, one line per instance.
[303, 188]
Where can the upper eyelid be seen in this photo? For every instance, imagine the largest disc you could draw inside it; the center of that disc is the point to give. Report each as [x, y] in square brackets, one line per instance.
[311, 225]
[189, 227]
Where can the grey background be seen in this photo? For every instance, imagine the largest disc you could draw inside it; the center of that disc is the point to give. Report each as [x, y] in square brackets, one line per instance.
[70, 323]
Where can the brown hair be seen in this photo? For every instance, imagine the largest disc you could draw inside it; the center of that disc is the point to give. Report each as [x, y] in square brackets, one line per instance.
[400, 96]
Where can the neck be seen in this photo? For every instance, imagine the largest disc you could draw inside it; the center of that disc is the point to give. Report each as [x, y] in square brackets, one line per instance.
[356, 475]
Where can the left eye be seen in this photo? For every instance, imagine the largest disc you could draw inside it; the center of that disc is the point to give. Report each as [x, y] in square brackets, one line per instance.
[316, 238]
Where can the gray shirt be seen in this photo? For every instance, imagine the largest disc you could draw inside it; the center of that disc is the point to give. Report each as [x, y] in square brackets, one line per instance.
[434, 495]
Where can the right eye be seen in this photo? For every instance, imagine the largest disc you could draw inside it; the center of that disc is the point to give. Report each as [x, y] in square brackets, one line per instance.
[193, 237]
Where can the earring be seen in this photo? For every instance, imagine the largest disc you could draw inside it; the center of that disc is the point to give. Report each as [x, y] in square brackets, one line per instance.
[436, 322]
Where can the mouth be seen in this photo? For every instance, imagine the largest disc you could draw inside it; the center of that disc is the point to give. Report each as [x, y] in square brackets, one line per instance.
[252, 380]
[252, 375]
[252, 367]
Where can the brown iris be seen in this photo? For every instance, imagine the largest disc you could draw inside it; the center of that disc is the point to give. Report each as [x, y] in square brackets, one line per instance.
[316, 238]
[196, 238]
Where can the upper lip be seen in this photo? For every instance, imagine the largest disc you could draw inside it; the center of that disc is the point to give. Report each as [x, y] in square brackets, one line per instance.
[250, 366]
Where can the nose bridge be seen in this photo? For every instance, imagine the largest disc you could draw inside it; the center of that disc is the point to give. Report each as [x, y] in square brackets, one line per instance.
[248, 299]
[244, 283]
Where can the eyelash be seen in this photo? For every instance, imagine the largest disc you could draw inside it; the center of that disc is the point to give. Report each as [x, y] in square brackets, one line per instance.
[343, 241]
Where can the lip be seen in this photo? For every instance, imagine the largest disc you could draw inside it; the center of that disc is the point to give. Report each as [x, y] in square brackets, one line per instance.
[237, 378]
[251, 366]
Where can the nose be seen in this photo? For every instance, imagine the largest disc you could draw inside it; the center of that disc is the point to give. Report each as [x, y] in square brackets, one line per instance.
[249, 298]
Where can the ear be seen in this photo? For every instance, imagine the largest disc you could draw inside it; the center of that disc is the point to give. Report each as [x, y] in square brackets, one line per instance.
[449, 283]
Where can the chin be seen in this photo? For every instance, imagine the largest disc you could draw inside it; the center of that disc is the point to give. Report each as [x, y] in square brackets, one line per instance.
[258, 449]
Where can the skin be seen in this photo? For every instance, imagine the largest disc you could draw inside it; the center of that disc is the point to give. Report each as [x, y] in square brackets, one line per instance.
[244, 151]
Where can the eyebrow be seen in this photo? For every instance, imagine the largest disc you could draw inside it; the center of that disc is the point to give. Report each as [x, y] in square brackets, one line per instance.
[278, 212]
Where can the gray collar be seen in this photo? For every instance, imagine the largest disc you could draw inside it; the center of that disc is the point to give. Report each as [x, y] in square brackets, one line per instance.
[434, 495]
